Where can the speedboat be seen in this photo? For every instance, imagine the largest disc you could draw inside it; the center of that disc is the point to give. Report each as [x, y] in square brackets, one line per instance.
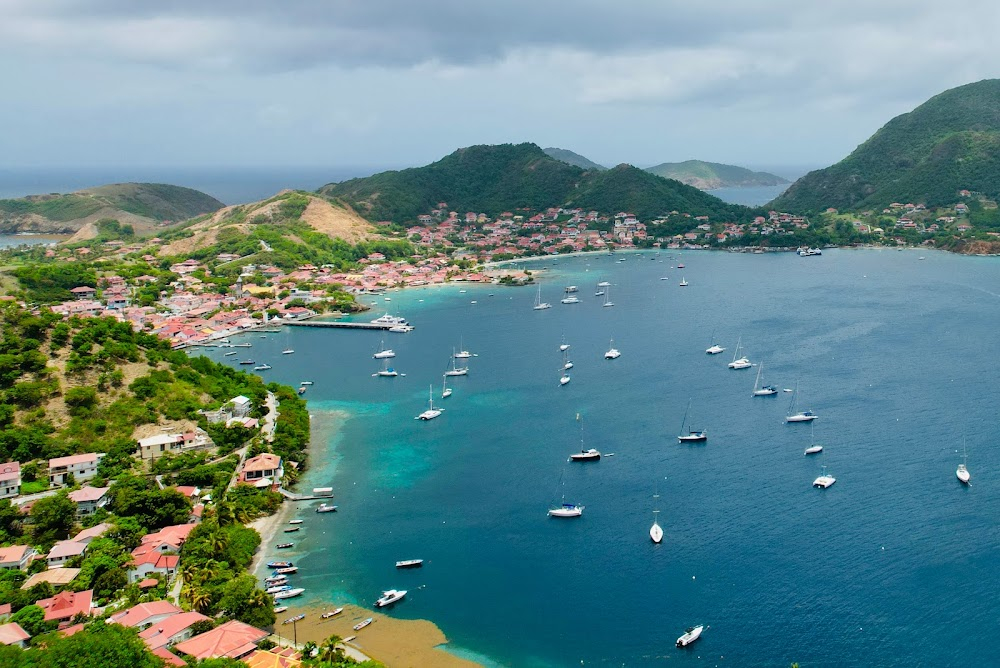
[324, 508]
[590, 455]
[410, 563]
[570, 300]
[279, 564]
[566, 510]
[362, 624]
[284, 546]
[288, 570]
[389, 597]
[290, 593]
[332, 613]
[690, 635]
[804, 416]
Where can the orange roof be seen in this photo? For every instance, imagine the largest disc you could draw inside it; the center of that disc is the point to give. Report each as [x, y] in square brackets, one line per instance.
[160, 633]
[168, 657]
[233, 639]
[265, 461]
[284, 658]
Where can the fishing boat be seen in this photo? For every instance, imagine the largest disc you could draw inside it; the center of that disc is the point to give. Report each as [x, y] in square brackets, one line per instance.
[612, 353]
[389, 597]
[690, 635]
[383, 352]
[431, 412]
[287, 570]
[539, 304]
[284, 546]
[798, 416]
[655, 531]
[762, 390]
[279, 564]
[962, 472]
[692, 435]
[456, 370]
[289, 593]
[410, 563]
[363, 623]
[739, 361]
[262, 367]
[296, 618]
[824, 480]
[445, 390]
[331, 613]
[324, 508]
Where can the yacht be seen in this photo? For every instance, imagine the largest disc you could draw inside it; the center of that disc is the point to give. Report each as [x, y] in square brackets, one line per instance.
[389, 597]
[539, 304]
[690, 635]
[692, 435]
[445, 390]
[386, 371]
[656, 531]
[603, 284]
[612, 353]
[962, 473]
[590, 455]
[762, 390]
[262, 367]
[813, 450]
[287, 351]
[431, 412]
[570, 288]
[572, 299]
[566, 510]
[715, 348]
[800, 416]
[739, 362]
[607, 298]
[824, 480]
[456, 370]
[290, 593]
[463, 355]
[387, 319]
[564, 379]
[383, 352]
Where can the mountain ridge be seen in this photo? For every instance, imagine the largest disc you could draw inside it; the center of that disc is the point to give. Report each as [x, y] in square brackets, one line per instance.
[572, 158]
[712, 175]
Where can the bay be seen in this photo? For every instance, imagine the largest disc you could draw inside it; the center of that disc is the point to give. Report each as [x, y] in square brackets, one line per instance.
[750, 195]
[891, 351]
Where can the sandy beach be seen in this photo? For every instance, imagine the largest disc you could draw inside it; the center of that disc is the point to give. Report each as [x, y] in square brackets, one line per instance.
[398, 643]
[268, 528]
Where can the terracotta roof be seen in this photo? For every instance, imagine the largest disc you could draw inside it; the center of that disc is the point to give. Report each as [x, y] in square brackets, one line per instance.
[168, 657]
[160, 633]
[148, 582]
[12, 553]
[265, 461]
[137, 614]
[57, 577]
[12, 633]
[71, 630]
[65, 604]
[273, 658]
[92, 532]
[232, 639]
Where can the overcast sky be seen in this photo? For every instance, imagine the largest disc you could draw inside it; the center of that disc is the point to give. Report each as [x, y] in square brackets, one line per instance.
[403, 82]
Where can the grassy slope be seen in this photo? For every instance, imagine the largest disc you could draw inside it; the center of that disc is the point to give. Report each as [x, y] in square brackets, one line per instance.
[151, 200]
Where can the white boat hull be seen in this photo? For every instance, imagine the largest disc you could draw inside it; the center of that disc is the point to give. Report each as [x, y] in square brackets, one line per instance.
[429, 415]
[690, 636]
[656, 533]
[574, 511]
[813, 450]
[715, 350]
[801, 417]
[963, 475]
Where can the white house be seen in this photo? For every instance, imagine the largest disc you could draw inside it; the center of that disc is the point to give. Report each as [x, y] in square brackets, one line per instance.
[63, 551]
[82, 467]
[10, 480]
[15, 556]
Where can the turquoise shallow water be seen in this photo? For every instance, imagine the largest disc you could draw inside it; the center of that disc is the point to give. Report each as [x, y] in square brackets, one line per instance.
[891, 351]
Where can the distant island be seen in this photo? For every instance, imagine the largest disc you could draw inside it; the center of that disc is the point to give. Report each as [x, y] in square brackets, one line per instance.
[712, 175]
[571, 158]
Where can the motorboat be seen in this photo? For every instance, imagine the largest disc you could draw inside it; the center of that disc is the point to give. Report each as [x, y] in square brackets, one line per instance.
[331, 613]
[387, 319]
[570, 300]
[276, 580]
[612, 353]
[690, 635]
[962, 472]
[401, 329]
[824, 480]
[287, 351]
[570, 288]
[410, 563]
[287, 570]
[302, 389]
[262, 367]
[247, 362]
[363, 623]
[431, 412]
[383, 352]
[296, 618]
[284, 546]
[274, 589]
[566, 510]
[603, 284]
[289, 593]
[281, 608]
[590, 455]
[306, 382]
[389, 597]
[325, 508]
[279, 564]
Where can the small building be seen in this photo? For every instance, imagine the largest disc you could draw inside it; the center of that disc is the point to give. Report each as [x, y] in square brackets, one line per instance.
[10, 480]
[241, 406]
[88, 499]
[63, 551]
[144, 615]
[154, 447]
[171, 630]
[66, 605]
[56, 577]
[81, 467]
[12, 634]
[264, 470]
[87, 535]
[16, 556]
[233, 640]
[84, 292]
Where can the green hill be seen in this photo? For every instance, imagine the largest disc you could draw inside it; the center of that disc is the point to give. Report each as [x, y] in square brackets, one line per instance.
[571, 158]
[132, 203]
[494, 179]
[926, 156]
[711, 175]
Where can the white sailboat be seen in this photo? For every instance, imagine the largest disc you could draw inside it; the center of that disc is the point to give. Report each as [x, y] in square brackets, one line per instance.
[431, 412]
[655, 532]
[586, 454]
[564, 376]
[563, 347]
[814, 447]
[692, 435]
[566, 363]
[613, 352]
[683, 282]
[445, 390]
[739, 361]
[607, 297]
[383, 352]
[456, 370]
[715, 348]
[462, 353]
[566, 509]
[962, 472]
[386, 371]
[762, 390]
[798, 416]
[539, 304]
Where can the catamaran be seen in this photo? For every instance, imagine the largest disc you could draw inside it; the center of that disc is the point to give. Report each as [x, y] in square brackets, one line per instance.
[824, 480]
[715, 348]
[539, 304]
[739, 362]
[612, 353]
[431, 412]
[800, 416]
[692, 435]
[762, 390]
[386, 371]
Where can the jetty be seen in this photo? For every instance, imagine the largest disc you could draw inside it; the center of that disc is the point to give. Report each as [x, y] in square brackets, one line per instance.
[317, 493]
[341, 325]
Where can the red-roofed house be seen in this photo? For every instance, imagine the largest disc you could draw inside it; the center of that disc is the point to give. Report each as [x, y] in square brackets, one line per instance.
[67, 604]
[172, 630]
[13, 634]
[262, 470]
[158, 553]
[15, 556]
[233, 639]
[10, 480]
[169, 658]
[274, 658]
[145, 614]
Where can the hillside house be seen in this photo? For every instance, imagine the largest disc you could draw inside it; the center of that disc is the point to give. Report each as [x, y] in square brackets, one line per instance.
[10, 480]
[81, 467]
[264, 470]
[233, 640]
[88, 499]
[16, 556]
[66, 605]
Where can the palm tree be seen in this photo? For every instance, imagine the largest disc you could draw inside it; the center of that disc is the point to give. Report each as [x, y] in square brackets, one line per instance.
[329, 650]
[199, 599]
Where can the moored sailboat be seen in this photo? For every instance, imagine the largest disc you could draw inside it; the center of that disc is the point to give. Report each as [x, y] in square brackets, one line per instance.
[539, 304]
[739, 361]
[692, 435]
[798, 416]
[762, 390]
[655, 531]
[431, 412]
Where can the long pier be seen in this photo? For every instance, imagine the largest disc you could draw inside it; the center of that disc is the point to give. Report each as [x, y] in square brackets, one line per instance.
[341, 325]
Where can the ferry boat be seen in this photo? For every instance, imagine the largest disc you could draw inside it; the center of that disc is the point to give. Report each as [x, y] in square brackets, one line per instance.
[389, 597]
[389, 320]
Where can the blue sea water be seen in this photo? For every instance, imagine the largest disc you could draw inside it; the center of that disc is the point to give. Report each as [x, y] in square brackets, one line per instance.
[891, 566]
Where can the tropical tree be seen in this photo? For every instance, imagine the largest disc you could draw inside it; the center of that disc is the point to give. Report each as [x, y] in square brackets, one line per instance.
[330, 650]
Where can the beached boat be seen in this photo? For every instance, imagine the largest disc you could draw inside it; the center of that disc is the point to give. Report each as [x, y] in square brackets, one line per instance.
[279, 564]
[692, 435]
[296, 618]
[284, 546]
[539, 304]
[290, 593]
[280, 609]
[362, 624]
[287, 570]
[431, 412]
[389, 597]
[331, 613]
[762, 390]
[410, 563]
[612, 353]
[383, 352]
[690, 635]
[324, 508]
[798, 416]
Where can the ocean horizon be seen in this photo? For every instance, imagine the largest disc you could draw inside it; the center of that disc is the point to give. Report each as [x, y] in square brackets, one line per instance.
[883, 345]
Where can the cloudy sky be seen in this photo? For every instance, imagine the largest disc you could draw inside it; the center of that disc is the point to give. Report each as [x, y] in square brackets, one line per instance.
[403, 82]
